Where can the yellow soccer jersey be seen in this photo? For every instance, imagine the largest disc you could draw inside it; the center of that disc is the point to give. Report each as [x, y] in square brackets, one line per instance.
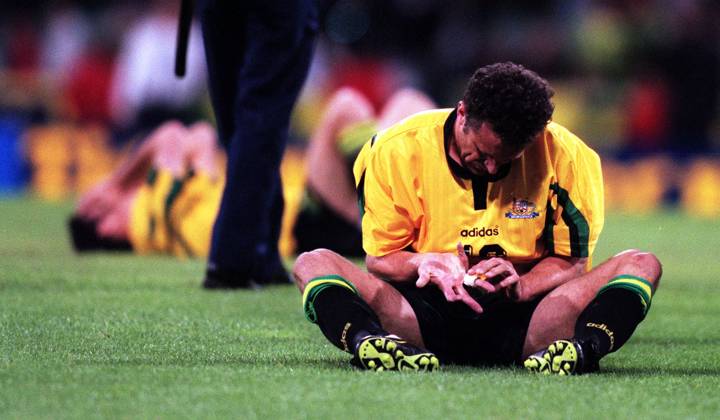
[415, 197]
[175, 216]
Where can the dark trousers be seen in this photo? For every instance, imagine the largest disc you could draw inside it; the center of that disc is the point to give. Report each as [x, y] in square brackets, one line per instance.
[258, 54]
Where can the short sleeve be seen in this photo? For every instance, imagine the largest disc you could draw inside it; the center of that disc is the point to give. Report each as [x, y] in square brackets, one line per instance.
[389, 202]
[578, 205]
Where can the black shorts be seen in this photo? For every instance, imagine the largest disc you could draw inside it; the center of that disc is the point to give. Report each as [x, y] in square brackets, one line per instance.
[458, 335]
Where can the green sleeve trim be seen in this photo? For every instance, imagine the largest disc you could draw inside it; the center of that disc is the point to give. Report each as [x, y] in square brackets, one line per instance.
[361, 195]
[548, 235]
[151, 176]
[172, 234]
[576, 222]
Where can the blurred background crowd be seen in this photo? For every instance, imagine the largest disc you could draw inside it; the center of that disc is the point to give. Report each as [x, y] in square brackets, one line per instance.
[639, 81]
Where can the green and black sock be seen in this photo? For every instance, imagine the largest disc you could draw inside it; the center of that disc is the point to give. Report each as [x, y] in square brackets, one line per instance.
[335, 306]
[611, 318]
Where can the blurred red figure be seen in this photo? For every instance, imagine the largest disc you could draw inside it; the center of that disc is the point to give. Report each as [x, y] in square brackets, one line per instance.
[647, 115]
[371, 76]
[88, 88]
[23, 48]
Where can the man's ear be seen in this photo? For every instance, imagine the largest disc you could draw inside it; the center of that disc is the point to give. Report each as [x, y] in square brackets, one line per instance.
[461, 115]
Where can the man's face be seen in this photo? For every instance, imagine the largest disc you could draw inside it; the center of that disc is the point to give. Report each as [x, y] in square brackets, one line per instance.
[478, 148]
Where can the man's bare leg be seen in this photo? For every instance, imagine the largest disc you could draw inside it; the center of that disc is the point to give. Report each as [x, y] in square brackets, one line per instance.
[395, 313]
[599, 311]
[328, 176]
[401, 104]
[202, 150]
[557, 313]
[337, 296]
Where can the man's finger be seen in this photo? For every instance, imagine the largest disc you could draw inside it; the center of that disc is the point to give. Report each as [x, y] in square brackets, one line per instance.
[423, 279]
[485, 285]
[469, 301]
[450, 294]
[509, 281]
[462, 256]
[486, 265]
[500, 270]
[447, 286]
[480, 268]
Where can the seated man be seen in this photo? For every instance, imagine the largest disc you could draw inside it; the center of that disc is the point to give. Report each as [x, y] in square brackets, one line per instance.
[163, 198]
[479, 224]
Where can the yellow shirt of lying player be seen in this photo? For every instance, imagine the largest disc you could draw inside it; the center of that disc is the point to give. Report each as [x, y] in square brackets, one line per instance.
[175, 216]
[414, 196]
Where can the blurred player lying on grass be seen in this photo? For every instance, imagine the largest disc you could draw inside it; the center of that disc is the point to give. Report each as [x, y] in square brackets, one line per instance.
[479, 224]
[164, 197]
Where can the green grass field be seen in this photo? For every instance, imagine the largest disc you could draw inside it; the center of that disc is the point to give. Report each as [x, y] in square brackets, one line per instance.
[124, 336]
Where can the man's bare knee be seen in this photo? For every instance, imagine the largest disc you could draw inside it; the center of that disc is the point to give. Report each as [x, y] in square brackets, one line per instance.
[169, 129]
[165, 138]
[641, 264]
[347, 96]
[204, 133]
[626, 252]
[312, 264]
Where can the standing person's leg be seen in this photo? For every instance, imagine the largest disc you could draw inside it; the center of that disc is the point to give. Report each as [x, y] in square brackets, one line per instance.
[224, 29]
[279, 37]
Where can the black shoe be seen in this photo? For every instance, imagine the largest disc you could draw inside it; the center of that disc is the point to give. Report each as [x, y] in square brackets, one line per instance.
[227, 280]
[389, 352]
[217, 279]
[564, 357]
[277, 275]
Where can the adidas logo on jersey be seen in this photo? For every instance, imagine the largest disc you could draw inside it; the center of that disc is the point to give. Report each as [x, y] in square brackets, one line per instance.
[480, 232]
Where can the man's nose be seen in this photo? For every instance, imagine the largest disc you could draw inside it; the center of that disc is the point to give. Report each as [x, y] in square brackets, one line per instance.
[491, 166]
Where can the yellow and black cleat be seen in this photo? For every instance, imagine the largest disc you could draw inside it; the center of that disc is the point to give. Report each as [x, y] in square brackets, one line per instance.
[380, 353]
[538, 363]
[562, 357]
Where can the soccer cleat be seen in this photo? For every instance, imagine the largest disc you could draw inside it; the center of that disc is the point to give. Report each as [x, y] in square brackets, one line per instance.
[381, 353]
[563, 357]
[538, 363]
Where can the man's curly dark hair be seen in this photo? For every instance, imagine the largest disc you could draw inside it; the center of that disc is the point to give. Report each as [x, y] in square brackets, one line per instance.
[515, 101]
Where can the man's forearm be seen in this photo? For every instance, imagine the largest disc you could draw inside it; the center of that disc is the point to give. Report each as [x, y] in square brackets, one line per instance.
[548, 274]
[399, 266]
[134, 168]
